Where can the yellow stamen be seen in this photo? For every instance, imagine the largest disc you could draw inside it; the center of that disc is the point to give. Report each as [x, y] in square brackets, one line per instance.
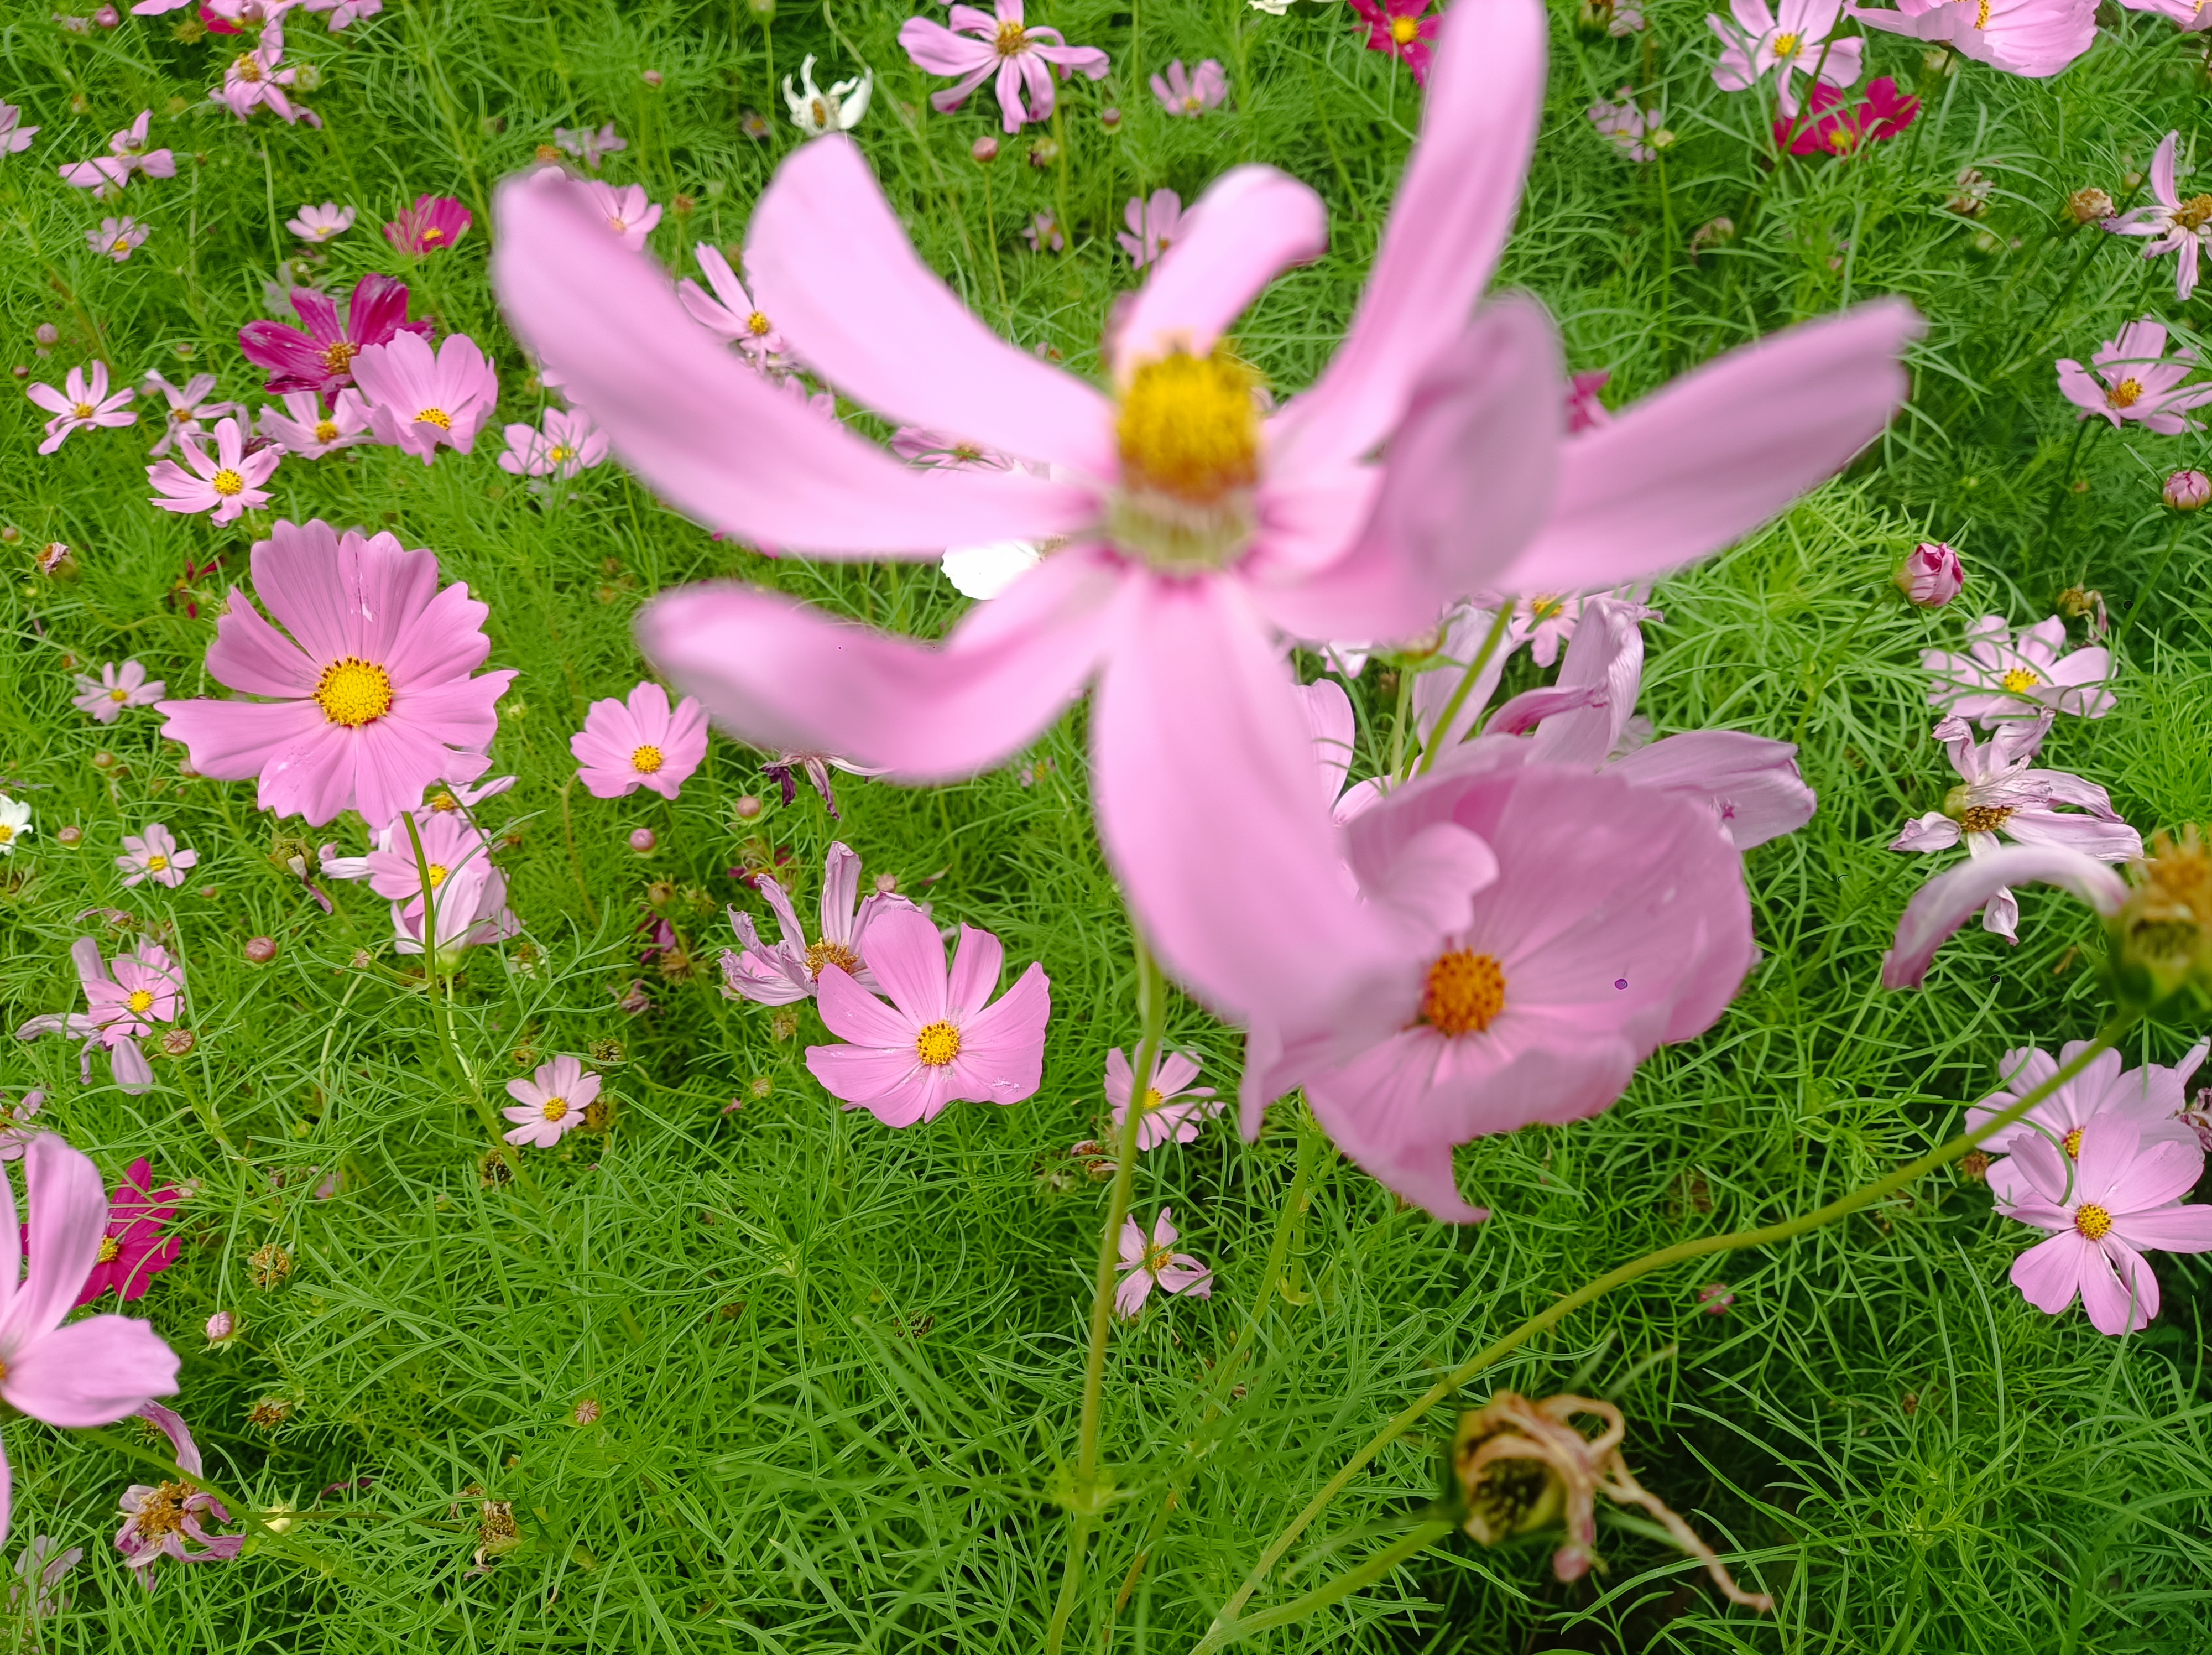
[157, 864]
[118, 695]
[1189, 441]
[647, 759]
[1151, 1100]
[758, 324]
[353, 692]
[326, 431]
[86, 410]
[2019, 680]
[226, 483]
[1464, 992]
[2125, 393]
[554, 1108]
[110, 1250]
[248, 66]
[437, 416]
[1403, 30]
[2092, 1222]
[826, 953]
[141, 1000]
[937, 1044]
[1785, 45]
[1010, 40]
[2072, 1141]
[2192, 214]
[338, 355]
[1982, 16]
[437, 871]
[433, 233]
[560, 454]
[1984, 818]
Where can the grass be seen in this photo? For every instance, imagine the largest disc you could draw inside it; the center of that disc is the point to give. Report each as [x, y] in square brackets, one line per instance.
[837, 1366]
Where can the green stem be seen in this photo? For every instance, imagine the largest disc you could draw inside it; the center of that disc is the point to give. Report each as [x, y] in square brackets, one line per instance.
[1813, 691]
[2157, 574]
[2116, 1025]
[241, 1510]
[1418, 1539]
[2089, 428]
[1434, 745]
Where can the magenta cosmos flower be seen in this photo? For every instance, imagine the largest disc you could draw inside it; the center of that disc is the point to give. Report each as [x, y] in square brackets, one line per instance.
[420, 399]
[433, 224]
[2031, 38]
[2122, 1195]
[371, 697]
[791, 969]
[1554, 928]
[1838, 130]
[1930, 575]
[90, 1373]
[226, 483]
[569, 445]
[2003, 676]
[81, 406]
[304, 430]
[626, 209]
[1154, 224]
[322, 359]
[1022, 56]
[940, 1040]
[1182, 92]
[1396, 26]
[2140, 382]
[132, 1249]
[169, 1520]
[551, 1103]
[115, 689]
[255, 80]
[2153, 1096]
[154, 855]
[1151, 1261]
[2182, 227]
[1198, 534]
[1756, 43]
[624, 746]
[1173, 1109]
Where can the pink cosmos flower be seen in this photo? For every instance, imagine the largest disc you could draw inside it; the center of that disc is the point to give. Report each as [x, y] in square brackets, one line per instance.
[40, 1567]
[2140, 383]
[1042, 231]
[189, 409]
[2153, 1096]
[2032, 38]
[1930, 575]
[105, 175]
[15, 1129]
[420, 400]
[115, 689]
[1624, 125]
[731, 312]
[1151, 1261]
[451, 842]
[790, 970]
[2120, 1196]
[1199, 535]
[15, 136]
[228, 483]
[551, 1103]
[1836, 130]
[1545, 622]
[433, 224]
[81, 406]
[2003, 676]
[369, 701]
[154, 855]
[1182, 92]
[1396, 26]
[322, 359]
[626, 209]
[1153, 224]
[132, 1250]
[470, 911]
[569, 445]
[1021, 56]
[2192, 16]
[92, 1371]
[939, 1040]
[1999, 793]
[928, 448]
[2183, 228]
[588, 146]
[118, 238]
[343, 12]
[321, 223]
[1173, 1109]
[1553, 929]
[1756, 43]
[253, 81]
[121, 1008]
[1940, 907]
[165, 1520]
[623, 748]
[306, 430]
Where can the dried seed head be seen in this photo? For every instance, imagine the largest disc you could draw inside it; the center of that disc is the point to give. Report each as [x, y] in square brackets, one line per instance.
[2091, 206]
[269, 1413]
[268, 1265]
[2164, 933]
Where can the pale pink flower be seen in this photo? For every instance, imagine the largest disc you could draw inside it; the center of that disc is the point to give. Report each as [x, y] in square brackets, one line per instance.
[81, 406]
[433, 224]
[451, 841]
[2032, 38]
[321, 223]
[569, 445]
[1183, 92]
[255, 80]
[1154, 224]
[1946, 901]
[343, 12]
[118, 238]
[226, 483]
[1173, 1109]
[105, 175]
[588, 146]
[154, 856]
[15, 1128]
[15, 136]
[1756, 43]
[624, 746]
[40, 1567]
[1151, 1261]
[551, 1103]
[2120, 1196]
[304, 430]
[115, 689]
[1930, 575]
[2183, 228]
[1179, 575]
[169, 1519]
[1625, 126]
[2003, 675]
[2153, 1096]
[472, 911]
[1042, 231]
[981, 45]
[626, 209]
[420, 400]
[2191, 14]
[790, 970]
[940, 1040]
[371, 698]
[2140, 382]
[731, 314]
[1545, 623]
[189, 409]
[122, 1007]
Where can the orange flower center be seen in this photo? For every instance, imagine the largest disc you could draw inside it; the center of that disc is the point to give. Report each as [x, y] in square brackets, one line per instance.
[2193, 213]
[1010, 42]
[110, 1250]
[437, 416]
[339, 354]
[326, 431]
[1785, 45]
[937, 1044]
[2125, 394]
[1464, 992]
[826, 953]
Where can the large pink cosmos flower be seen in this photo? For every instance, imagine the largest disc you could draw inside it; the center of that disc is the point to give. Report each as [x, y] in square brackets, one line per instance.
[2183, 227]
[121, 1008]
[105, 175]
[81, 406]
[1199, 534]
[551, 1103]
[90, 1373]
[2032, 38]
[1756, 43]
[1554, 929]
[322, 359]
[2152, 1096]
[791, 969]
[367, 701]
[1020, 55]
[1172, 1110]
[420, 400]
[115, 689]
[433, 224]
[640, 743]
[226, 483]
[940, 1040]
[166, 1520]
[2120, 1196]
[2140, 382]
[133, 1249]
[1151, 1261]
[2004, 676]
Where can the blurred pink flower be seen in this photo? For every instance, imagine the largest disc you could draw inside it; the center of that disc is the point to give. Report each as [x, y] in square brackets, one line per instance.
[940, 1040]
[626, 209]
[1042, 231]
[1183, 92]
[1930, 575]
[1836, 130]
[731, 312]
[1624, 125]
[1756, 43]
[344, 12]
[1153, 224]
[2004, 676]
[118, 238]
[132, 1249]
[2183, 228]
[551, 1103]
[433, 224]
[168, 1518]
[115, 689]
[40, 1567]
[569, 445]
[322, 359]
[154, 855]
[472, 911]
[1946, 901]
[588, 146]
[306, 430]
[15, 136]
[368, 703]
[2153, 1096]
[226, 483]
[2140, 382]
[253, 81]
[420, 400]
[624, 746]
[2031, 38]
[1173, 1109]
[1585, 411]
[189, 409]
[1396, 26]
[790, 970]
[15, 1129]
[928, 448]
[981, 45]
[1151, 1261]
[81, 406]
[321, 223]
[105, 175]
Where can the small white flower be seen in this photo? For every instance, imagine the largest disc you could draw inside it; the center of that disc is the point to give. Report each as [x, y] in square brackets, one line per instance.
[15, 822]
[814, 111]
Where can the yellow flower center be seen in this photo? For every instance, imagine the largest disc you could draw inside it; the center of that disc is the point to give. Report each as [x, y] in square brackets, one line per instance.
[437, 416]
[437, 871]
[1010, 42]
[1157, 1257]
[647, 759]
[353, 692]
[2091, 1221]
[826, 953]
[554, 1108]
[2019, 680]
[433, 233]
[118, 695]
[248, 66]
[1150, 1101]
[226, 483]
[141, 1000]
[758, 324]
[6, 833]
[1543, 608]
[2072, 1143]
[2192, 214]
[179, 416]
[1785, 45]
[110, 1250]
[443, 801]
[156, 864]
[326, 431]
[1982, 17]
[338, 355]
[86, 410]
[1403, 30]
[822, 113]
[1464, 992]
[560, 454]
[1189, 440]
[162, 1513]
[2125, 393]
[938, 1044]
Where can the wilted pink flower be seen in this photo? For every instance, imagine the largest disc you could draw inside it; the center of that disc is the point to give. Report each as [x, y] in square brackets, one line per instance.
[789, 970]
[15, 136]
[2192, 16]
[420, 400]
[1173, 1109]
[118, 238]
[588, 146]
[940, 1040]
[1624, 125]
[2187, 490]
[1396, 26]
[371, 698]
[472, 911]
[115, 689]
[321, 223]
[2031, 38]
[786, 767]
[1931, 575]
[568, 446]
[1042, 231]
[1151, 1261]
[168, 1518]
[306, 430]
[1715, 1299]
[121, 1008]
[2003, 676]
[2152, 1096]
[226, 483]
[1183, 92]
[322, 359]
[81, 406]
[1946, 901]
[1756, 43]
[154, 855]
[15, 1129]
[105, 175]
[2183, 228]
[255, 80]
[433, 224]
[189, 409]
[626, 209]
[1836, 130]
[730, 311]
[1023, 57]
[551, 1103]
[2139, 382]
[624, 746]
[132, 1249]
[1154, 224]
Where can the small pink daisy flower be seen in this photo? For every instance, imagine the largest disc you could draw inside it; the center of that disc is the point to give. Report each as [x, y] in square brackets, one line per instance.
[2140, 382]
[472, 911]
[588, 146]
[1756, 43]
[1182, 92]
[420, 400]
[730, 312]
[105, 175]
[2153, 1096]
[1042, 231]
[322, 224]
[1153, 226]
[2182, 227]
[940, 1040]
[121, 1008]
[304, 430]
[1173, 1109]
[81, 406]
[433, 224]
[154, 855]
[979, 47]
[2005, 675]
[189, 409]
[623, 748]
[255, 80]
[118, 238]
[923, 447]
[1151, 1261]
[15, 136]
[343, 12]
[167, 1519]
[628, 213]
[791, 969]
[227, 483]
[569, 445]
[551, 1103]
[1396, 26]
[115, 689]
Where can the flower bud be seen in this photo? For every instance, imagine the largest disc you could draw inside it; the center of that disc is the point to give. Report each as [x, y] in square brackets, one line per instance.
[2088, 207]
[587, 1411]
[221, 1328]
[108, 17]
[47, 333]
[71, 834]
[1715, 1299]
[642, 841]
[1930, 575]
[652, 77]
[2188, 490]
[104, 760]
[984, 150]
[1110, 119]
[747, 807]
[259, 951]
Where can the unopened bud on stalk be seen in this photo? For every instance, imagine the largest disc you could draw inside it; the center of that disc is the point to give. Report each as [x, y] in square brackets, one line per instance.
[1110, 119]
[221, 1327]
[1931, 575]
[2087, 207]
[641, 841]
[259, 951]
[2188, 490]
[2162, 935]
[984, 151]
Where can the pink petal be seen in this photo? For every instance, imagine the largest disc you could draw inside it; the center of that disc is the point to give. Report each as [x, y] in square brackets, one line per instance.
[975, 965]
[1130, 1298]
[1947, 901]
[1002, 1047]
[90, 1373]
[2049, 1273]
[1752, 782]
[2170, 1229]
[907, 956]
[69, 1214]
[861, 1074]
[2117, 1288]
[1252, 223]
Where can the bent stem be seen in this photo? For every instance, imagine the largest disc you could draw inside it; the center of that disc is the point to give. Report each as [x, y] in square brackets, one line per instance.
[1434, 745]
[2157, 574]
[1085, 1498]
[1418, 1539]
[1227, 1626]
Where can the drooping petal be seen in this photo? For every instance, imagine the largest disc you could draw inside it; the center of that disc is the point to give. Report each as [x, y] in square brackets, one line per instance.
[2118, 1290]
[1947, 901]
[69, 1212]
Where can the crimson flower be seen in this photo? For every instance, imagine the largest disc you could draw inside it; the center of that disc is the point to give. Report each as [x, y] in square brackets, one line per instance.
[1885, 113]
[433, 223]
[1398, 28]
[322, 359]
[132, 1249]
